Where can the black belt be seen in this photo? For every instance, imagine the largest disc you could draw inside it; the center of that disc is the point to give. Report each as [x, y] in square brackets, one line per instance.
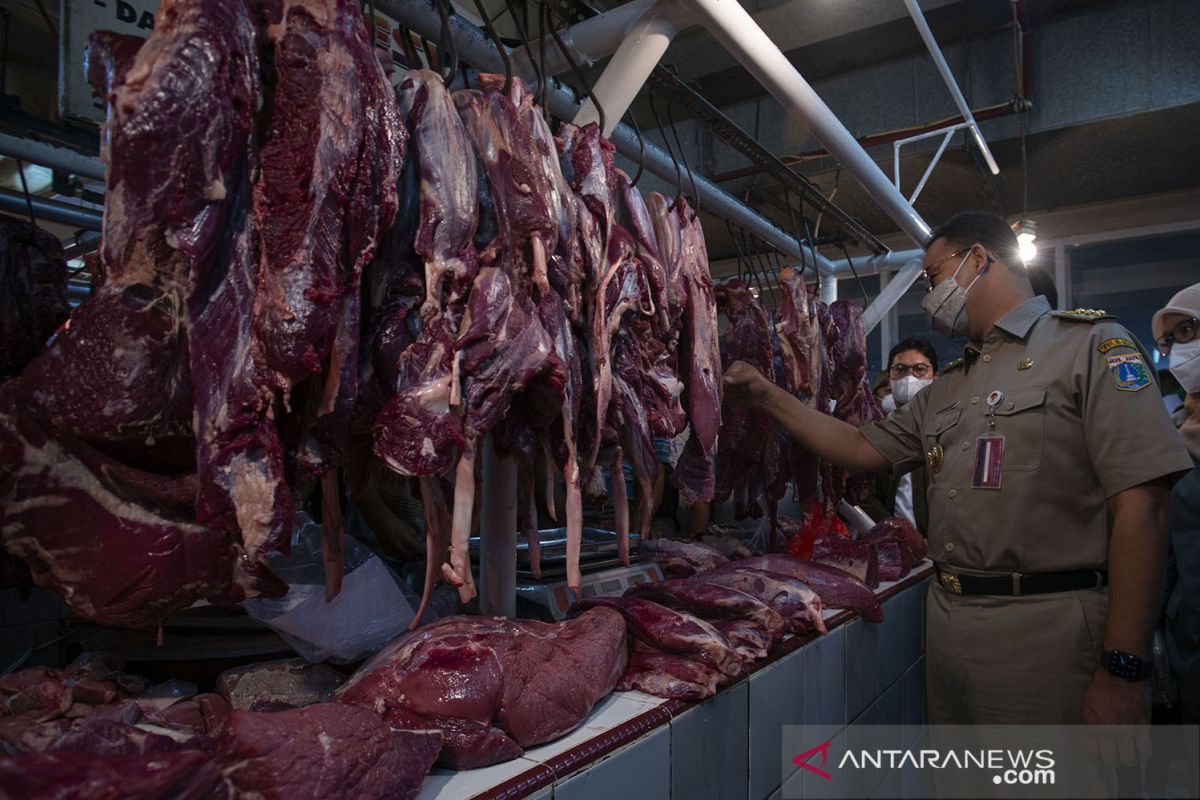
[1019, 583]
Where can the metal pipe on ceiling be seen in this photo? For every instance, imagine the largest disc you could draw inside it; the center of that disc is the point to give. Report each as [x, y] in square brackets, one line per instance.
[939, 61]
[48, 155]
[50, 210]
[476, 49]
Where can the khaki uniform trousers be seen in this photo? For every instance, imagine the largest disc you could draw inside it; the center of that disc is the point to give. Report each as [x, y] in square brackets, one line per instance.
[1012, 660]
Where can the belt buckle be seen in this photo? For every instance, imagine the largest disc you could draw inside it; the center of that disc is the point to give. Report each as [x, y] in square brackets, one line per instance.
[950, 582]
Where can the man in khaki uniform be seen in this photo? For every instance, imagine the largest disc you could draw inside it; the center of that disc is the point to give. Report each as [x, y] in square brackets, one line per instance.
[1048, 453]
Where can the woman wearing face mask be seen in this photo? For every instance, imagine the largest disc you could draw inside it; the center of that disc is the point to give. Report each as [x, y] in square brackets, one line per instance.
[1177, 335]
[912, 365]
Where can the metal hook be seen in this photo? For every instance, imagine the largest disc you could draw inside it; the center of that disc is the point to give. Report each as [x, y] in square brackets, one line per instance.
[500, 46]
[25, 189]
[410, 52]
[446, 41]
[575, 70]
[523, 33]
[861, 288]
[670, 152]
[683, 156]
[733, 238]
[641, 147]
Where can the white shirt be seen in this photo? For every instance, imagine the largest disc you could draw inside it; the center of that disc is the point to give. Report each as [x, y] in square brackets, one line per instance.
[904, 499]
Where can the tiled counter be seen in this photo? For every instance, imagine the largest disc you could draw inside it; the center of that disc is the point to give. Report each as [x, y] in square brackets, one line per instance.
[730, 745]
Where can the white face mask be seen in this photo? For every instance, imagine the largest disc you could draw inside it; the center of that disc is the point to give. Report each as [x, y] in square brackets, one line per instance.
[888, 404]
[947, 303]
[1185, 365]
[905, 389]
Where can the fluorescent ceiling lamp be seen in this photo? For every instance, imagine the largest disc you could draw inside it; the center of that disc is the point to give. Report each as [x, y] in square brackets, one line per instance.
[1026, 230]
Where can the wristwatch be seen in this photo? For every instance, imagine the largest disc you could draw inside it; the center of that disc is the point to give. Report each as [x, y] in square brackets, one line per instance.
[1126, 665]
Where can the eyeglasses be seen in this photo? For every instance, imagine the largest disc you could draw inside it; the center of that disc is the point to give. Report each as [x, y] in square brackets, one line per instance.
[1182, 333]
[925, 273]
[902, 370]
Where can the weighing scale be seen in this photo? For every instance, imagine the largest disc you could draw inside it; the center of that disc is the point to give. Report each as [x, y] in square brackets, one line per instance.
[549, 598]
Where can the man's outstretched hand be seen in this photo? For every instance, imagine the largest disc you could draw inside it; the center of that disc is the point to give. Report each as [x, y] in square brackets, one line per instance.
[746, 385]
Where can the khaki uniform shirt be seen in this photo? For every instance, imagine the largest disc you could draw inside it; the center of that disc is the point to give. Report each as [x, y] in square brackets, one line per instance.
[1082, 420]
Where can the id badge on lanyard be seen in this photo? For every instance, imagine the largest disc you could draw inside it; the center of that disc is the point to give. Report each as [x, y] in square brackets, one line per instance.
[989, 449]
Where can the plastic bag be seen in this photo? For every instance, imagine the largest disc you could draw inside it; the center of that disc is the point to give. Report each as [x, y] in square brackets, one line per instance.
[371, 610]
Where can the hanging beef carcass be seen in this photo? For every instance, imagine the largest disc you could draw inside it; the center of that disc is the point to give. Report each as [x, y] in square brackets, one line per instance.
[187, 102]
[33, 302]
[701, 351]
[744, 434]
[849, 387]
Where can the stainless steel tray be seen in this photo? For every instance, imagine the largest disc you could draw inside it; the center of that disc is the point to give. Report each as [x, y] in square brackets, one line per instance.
[597, 544]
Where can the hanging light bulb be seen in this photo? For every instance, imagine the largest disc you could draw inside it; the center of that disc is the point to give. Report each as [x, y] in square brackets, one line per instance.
[1026, 231]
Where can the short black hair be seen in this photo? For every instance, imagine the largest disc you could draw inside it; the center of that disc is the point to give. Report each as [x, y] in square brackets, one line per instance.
[922, 345]
[968, 227]
[1043, 283]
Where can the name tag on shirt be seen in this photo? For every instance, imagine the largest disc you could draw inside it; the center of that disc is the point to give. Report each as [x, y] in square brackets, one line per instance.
[989, 457]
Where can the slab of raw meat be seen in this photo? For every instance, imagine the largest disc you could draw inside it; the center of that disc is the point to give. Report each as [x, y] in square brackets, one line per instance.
[291, 680]
[417, 433]
[589, 165]
[34, 301]
[744, 433]
[799, 332]
[141, 391]
[670, 676]
[329, 750]
[448, 214]
[679, 559]
[899, 530]
[493, 686]
[711, 601]
[856, 558]
[105, 737]
[671, 631]
[329, 162]
[793, 600]
[107, 56]
[749, 640]
[115, 543]
[186, 775]
[702, 347]
[836, 588]
[895, 559]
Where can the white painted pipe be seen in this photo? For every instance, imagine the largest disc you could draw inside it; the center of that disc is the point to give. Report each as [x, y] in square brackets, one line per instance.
[628, 71]
[737, 31]
[939, 61]
[587, 41]
[891, 294]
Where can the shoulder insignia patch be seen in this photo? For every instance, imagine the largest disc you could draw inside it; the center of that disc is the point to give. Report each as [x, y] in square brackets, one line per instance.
[1109, 344]
[1129, 372]
[1082, 314]
[953, 365]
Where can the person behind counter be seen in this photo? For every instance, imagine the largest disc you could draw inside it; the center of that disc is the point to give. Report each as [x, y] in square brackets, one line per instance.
[1177, 336]
[1067, 510]
[912, 365]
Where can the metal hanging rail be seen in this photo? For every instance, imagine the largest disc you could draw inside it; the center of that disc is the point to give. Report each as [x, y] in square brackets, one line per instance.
[728, 131]
[476, 49]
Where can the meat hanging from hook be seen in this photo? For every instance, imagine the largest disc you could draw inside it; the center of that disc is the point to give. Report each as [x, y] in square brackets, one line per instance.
[501, 48]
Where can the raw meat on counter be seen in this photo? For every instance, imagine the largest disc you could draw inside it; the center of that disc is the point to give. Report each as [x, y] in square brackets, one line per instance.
[679, 558]
[183, 775]
[837, 589]
[669, 675]
[898, 546]
[493, 686]
[657, 627]
[857, 558]
[329, 750]
[290, 682]
[793, 600]
[712, 602]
